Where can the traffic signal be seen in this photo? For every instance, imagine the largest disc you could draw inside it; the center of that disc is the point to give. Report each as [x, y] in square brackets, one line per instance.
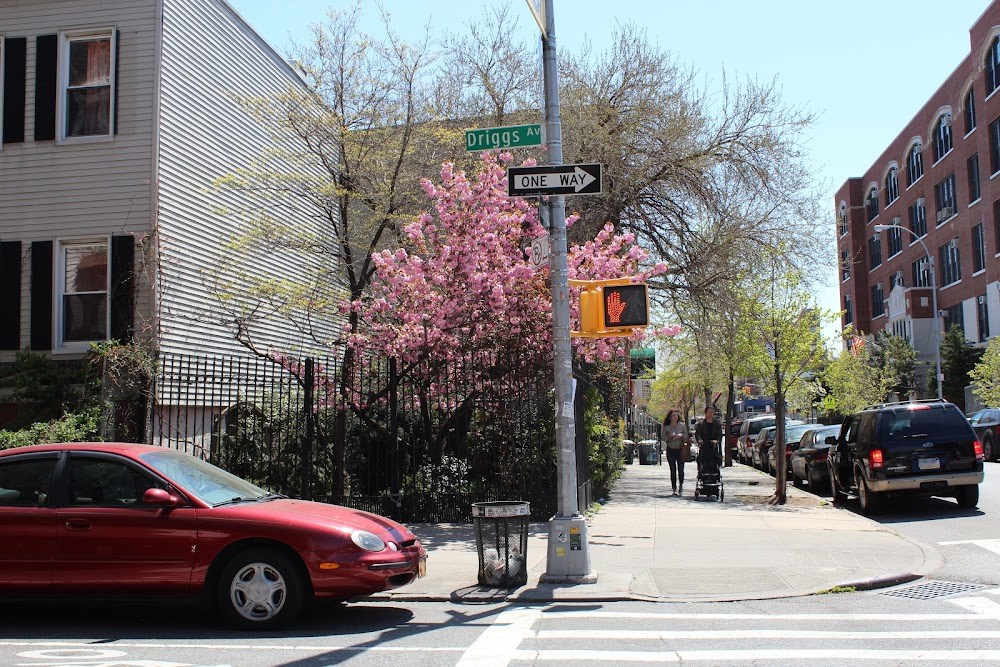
[612, 307]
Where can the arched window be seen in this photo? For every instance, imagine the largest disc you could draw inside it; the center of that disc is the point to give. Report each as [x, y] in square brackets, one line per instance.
[970, 110]
[942, 136]
[871, 205]
[992, 66]
[914, 164]
[891, 186]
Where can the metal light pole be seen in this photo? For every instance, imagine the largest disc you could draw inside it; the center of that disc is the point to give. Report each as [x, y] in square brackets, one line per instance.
[568, 546]
[937, 323]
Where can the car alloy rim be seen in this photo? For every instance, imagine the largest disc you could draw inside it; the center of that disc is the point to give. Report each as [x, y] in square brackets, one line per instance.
[258, 591]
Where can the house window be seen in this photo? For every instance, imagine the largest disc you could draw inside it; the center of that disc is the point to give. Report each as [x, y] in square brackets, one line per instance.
[891, 186]
[878, 300]
[843, 220]
[845, 265]
[992, 66]
[871, 205]
[848, 310]
[944, 193]
[874, 251]
[83, 292]
[895, 239]
[983, 315]
[86, 84]
[973, 165]
[942, 137]
[951, 270]
[996, 225]
[895, 279]
[995, 146]
[970, 110]
[954, 315]
[918, 217]
[921, 272]
[978, 249]
[914, 165]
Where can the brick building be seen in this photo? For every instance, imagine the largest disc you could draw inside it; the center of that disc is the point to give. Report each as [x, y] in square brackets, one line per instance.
[939, 179]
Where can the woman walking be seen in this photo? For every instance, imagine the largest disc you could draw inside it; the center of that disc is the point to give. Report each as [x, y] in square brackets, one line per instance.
[675, 434]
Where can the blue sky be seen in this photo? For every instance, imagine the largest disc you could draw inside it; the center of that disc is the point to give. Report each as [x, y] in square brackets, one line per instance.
[865, 67]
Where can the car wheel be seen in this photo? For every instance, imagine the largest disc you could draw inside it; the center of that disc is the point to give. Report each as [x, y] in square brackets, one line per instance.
[260, 589]
[696, 494]
[815, 483]
[722, 494]
[967, 496]
[796, 482]
[988, 453]
[839, 497]
[871, 502]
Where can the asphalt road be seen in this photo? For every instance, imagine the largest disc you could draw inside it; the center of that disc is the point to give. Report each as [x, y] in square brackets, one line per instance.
[968, 539]
[868, 628]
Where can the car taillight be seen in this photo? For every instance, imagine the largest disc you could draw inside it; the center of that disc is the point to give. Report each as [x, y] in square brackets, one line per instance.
[977, 447]
[788, 450]
[821, 456]
[875, 458]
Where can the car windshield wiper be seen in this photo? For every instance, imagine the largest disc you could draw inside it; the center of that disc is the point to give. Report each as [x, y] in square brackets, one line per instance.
[233, 501]
[270, 496]
[913, 435]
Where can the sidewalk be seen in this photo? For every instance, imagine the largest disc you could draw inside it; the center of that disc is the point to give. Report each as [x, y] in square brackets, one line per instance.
[647, 545]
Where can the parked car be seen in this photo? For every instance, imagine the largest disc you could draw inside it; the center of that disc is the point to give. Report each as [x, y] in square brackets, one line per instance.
[762, 442]
[733, 435]
[749, 430]
[793, 435]
[925, 447]
[808, 462]
[111, 518]
[986, 424]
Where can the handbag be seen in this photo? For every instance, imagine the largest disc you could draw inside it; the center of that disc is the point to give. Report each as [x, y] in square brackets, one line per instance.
[685, 451]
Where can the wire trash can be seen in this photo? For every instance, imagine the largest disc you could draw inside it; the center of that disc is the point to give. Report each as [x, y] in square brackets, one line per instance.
[502, 542]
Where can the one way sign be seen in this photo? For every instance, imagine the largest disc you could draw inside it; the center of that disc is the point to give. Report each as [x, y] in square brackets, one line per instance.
[562, 179]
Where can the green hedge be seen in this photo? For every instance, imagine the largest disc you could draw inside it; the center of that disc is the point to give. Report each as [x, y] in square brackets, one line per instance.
[71, 427]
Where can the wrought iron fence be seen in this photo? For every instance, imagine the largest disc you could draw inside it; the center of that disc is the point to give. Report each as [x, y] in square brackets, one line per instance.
[421, 442]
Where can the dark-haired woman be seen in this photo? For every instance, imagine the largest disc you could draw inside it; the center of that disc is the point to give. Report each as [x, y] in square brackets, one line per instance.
[675, 434]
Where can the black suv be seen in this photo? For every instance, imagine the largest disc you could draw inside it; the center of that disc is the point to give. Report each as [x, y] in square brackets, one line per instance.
[924, 447]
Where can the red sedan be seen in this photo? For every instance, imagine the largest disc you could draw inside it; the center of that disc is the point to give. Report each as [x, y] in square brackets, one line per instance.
[114, 518]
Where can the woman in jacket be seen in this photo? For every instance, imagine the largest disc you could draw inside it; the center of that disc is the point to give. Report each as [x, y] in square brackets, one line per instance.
[675, 434]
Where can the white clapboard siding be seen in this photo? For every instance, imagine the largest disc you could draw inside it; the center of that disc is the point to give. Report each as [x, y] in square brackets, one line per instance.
[50, 191]
[209, 53]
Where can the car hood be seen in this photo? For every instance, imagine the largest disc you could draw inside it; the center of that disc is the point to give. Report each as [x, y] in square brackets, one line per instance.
[322, 514]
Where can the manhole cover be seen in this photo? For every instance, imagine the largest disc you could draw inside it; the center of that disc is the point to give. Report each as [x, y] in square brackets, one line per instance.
[932, 589]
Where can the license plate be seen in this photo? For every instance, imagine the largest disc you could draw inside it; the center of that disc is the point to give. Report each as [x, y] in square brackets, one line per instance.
[422, 568]
[929, 464]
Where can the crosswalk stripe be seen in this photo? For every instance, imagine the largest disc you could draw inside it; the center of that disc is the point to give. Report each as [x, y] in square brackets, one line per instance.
[499, 642]
[755, 654]
[716, 635]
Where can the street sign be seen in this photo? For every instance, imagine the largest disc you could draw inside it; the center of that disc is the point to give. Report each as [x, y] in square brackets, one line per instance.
[561, 179]
[829, 403]
[514, 136]
[540, 252]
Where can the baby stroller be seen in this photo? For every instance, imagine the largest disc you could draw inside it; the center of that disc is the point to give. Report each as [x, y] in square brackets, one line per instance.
[709, 481]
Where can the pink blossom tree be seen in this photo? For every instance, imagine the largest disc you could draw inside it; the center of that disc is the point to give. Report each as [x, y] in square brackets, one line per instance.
[464, 282]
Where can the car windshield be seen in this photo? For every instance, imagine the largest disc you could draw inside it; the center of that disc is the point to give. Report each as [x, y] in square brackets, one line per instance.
[202, 479]
[924, 423]
[981, 416]
[757, 426]
[794, 433]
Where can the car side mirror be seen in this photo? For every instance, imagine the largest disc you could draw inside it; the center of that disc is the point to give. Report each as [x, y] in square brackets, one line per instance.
[160, 497]
[831, 440]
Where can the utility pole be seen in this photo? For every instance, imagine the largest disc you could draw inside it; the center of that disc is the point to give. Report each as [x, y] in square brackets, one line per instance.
[568, 544]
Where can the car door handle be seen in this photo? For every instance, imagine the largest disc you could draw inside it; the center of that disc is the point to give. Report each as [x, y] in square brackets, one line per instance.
[79, 524]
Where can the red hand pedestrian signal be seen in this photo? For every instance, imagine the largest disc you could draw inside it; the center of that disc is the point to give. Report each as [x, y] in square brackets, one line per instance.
[611, 307]
[614, 308]
[625, 306]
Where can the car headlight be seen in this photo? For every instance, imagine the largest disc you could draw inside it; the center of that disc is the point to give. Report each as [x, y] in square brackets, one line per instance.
[367, 541]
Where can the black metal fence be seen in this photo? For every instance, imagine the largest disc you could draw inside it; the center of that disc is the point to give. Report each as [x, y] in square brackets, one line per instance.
[418, 442]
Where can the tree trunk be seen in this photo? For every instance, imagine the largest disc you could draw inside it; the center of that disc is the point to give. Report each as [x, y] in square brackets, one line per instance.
[779, 438]
[730, 410]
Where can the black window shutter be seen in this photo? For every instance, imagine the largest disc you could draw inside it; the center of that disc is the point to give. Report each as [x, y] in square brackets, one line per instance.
[10, 295]
[14, 72]
[46, 47]
[122, 288]
[118, 44]
[41, 295]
